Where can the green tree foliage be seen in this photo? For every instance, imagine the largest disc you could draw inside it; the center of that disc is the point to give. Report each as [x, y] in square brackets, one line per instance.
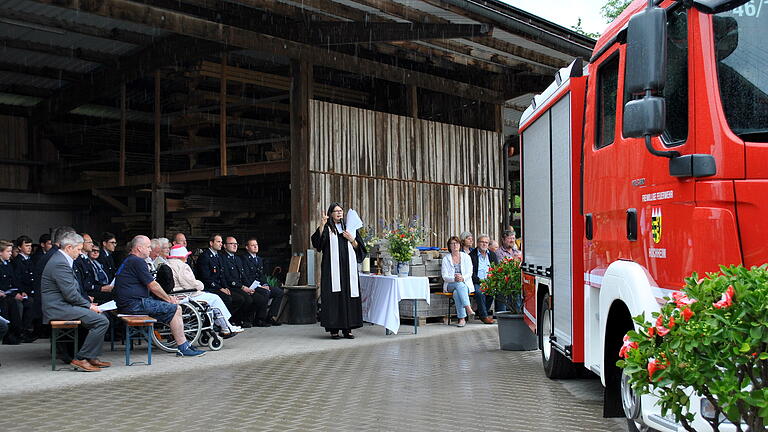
[613, 8]
[579, 29]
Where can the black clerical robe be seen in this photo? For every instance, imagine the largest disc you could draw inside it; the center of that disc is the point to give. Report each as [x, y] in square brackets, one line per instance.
[338, 310]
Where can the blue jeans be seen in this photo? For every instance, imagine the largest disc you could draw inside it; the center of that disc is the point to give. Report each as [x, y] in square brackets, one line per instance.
[460, 297]
[482, 302]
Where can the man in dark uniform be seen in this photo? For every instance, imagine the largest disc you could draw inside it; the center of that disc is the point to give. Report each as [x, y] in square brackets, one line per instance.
[25, 279]
[107, 258]
[254, 271]
[208, 269]
[43, 248]
[13, 300]
[254, 300]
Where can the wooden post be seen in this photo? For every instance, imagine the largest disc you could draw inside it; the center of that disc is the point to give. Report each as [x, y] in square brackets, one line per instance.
[158, 211]
[157, 127]
[498, 118]
[413, 101]
[223, 116]
[123, 121]
[158, 195]
[301, 93]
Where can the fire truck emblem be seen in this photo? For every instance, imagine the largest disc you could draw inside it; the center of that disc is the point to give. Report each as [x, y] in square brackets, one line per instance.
[656, 224]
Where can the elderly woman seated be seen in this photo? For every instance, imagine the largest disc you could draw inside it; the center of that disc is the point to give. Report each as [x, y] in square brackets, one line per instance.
[457, 279]
[184, 280]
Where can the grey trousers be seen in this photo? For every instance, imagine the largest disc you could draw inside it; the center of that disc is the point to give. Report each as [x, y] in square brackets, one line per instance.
[97, 325]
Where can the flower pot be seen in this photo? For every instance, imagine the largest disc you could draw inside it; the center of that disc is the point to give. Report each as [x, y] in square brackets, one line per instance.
[514, 334]
[403, 268]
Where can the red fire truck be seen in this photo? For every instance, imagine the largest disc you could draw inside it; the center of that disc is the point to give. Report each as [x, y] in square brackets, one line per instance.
[644, 165]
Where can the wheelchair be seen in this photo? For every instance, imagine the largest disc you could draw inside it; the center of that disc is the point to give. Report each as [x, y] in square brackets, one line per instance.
[197, 316]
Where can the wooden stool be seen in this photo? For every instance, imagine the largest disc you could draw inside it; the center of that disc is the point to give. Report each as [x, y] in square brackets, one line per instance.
[139, 327]
[64, 331]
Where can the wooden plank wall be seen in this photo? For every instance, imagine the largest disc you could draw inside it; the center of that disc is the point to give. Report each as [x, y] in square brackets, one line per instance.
[388, 166]
[13, 146]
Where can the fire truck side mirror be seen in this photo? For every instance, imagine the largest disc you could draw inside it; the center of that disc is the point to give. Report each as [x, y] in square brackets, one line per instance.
[645, 73]
[646, 66]
[644, 117]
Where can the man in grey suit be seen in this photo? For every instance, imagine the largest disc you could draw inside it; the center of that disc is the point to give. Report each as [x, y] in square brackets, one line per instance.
[62, 301]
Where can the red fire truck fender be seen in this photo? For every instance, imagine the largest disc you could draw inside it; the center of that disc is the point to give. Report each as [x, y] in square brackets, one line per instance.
[628, 283]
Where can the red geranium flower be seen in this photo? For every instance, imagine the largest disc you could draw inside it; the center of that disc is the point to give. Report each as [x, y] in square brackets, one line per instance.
[727, 299]
[681, 300]
[653, 366]
[660, 329]
[687, 313]
[651, 331]
[628, 345]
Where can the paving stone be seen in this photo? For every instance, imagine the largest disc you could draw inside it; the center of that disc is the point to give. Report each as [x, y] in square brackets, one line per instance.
[449, 380]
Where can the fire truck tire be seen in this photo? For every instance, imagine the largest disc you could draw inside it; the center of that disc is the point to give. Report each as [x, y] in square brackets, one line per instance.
[556, 365]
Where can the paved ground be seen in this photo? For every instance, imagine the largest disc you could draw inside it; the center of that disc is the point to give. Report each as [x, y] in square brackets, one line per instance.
[292, 378]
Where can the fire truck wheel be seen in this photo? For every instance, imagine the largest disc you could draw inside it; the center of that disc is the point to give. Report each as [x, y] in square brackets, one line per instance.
[556, 365]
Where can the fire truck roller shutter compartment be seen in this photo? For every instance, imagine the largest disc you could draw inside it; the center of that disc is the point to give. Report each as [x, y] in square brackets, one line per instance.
[562, 271]
[537, 232]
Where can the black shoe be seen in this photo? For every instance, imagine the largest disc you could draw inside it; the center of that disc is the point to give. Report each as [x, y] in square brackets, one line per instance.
[261, 323]
[274, 322]
[335, 336]
[28, 338]
[246, 324]
[349, 336]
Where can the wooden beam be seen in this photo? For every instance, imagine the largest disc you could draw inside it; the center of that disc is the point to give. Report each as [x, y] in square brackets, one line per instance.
[301, 93]
[77, 27]
[123, 131]
[110, 200]
[223, 117]
[166, 52]
[247, 39]
[60, 50]
[412, 14]
[337, 33]
[157, 127]
[413, 101]
[110, 180]
[41, 71]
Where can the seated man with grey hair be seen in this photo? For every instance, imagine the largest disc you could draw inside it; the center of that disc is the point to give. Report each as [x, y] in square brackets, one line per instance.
[133, 285]
[482, 259]
[62, 300]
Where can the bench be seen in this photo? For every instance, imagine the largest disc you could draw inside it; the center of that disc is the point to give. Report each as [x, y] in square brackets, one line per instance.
[138, 327]
[62, 331]
[451, 303]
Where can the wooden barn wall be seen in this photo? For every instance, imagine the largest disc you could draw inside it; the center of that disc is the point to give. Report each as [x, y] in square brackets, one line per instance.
[13, 146]
[394, 167]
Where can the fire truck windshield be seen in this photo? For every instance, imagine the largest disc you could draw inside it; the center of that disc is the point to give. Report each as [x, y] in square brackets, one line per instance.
[741, 46]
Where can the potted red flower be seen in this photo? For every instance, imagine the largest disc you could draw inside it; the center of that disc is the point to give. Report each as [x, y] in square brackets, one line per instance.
[504, 282]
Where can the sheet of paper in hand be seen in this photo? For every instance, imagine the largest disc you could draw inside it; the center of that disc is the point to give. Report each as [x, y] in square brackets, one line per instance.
[354, 222]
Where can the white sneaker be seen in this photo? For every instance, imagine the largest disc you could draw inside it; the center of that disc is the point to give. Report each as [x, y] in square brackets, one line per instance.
[236, 329]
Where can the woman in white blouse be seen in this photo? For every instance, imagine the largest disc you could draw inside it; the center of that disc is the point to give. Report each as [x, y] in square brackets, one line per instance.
[457, 276]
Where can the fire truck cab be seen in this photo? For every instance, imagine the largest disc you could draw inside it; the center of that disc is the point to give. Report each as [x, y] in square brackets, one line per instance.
[640, 167]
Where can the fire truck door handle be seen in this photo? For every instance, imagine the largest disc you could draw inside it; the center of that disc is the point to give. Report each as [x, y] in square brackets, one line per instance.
[632, 224]
[588, 226]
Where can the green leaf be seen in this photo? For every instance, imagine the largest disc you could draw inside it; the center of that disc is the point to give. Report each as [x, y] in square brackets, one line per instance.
[744, 347]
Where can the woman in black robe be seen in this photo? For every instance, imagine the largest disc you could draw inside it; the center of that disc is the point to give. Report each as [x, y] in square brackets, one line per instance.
[341, 308]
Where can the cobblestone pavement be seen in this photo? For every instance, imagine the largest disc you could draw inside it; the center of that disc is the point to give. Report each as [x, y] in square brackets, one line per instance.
[449, 381]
